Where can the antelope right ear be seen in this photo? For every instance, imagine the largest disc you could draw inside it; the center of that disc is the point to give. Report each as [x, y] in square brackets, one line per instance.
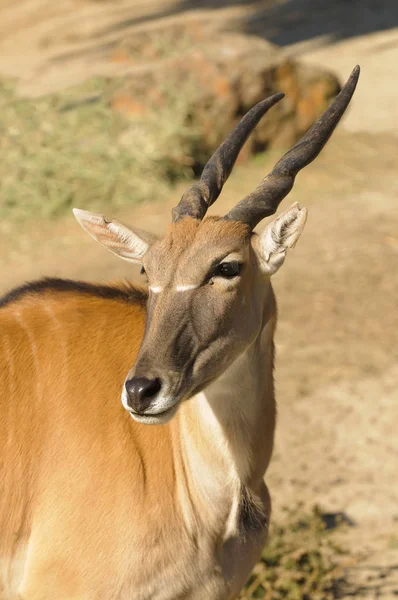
[129, 244]
[278, 236]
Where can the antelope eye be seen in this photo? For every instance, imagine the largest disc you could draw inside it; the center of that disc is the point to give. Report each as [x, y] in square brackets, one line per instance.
[228, 269]
[143, 272]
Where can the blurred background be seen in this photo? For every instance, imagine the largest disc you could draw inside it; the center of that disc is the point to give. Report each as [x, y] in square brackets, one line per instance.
[114, 106]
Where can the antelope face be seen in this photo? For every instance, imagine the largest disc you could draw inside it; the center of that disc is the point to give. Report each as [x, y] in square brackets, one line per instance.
[208, 279]
[200, 279]
[207, 282]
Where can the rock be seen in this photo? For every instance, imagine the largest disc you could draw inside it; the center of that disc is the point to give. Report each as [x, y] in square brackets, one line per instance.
[215, 81]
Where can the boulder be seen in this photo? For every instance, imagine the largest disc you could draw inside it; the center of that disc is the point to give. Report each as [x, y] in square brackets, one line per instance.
[213, 82]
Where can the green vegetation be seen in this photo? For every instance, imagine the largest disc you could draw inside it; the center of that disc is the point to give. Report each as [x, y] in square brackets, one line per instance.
[74, 149]
[300, 561]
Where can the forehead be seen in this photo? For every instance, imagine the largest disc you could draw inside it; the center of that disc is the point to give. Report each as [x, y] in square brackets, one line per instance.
[199, 241]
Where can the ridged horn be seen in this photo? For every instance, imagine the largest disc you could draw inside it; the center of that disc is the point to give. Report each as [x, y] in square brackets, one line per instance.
[265, 199]
[199, 196]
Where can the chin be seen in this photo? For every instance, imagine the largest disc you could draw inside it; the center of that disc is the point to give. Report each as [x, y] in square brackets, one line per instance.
[155, 418]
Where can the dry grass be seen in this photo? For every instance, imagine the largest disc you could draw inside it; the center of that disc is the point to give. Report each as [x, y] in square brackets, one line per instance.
[300, 561]
[73, 149]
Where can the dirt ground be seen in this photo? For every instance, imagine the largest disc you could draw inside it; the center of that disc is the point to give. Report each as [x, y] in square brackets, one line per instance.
[336, 369]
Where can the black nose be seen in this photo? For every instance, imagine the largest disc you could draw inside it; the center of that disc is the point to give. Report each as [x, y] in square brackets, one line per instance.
[141, 391]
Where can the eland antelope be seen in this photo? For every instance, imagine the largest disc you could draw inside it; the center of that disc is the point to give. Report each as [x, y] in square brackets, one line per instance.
[95, 505]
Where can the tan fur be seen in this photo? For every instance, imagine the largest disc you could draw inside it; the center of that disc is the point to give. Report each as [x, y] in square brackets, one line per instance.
[96, 506]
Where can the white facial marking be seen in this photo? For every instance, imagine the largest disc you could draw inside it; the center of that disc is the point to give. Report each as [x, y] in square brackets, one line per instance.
[155, 289]
[185, 288]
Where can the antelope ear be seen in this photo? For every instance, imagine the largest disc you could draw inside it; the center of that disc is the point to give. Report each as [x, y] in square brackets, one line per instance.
[278, 236]
[127, 243]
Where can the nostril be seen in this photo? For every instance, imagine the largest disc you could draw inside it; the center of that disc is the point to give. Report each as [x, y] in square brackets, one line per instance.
[152, 388]
[140, 392]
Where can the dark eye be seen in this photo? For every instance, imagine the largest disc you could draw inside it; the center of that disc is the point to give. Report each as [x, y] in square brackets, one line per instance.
[143, 272]
[228, 269]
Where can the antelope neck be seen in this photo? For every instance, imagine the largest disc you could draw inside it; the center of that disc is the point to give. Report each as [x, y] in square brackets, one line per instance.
[226, 432]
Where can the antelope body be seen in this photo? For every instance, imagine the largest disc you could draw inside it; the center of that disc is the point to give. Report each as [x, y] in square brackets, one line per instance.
[95, 505]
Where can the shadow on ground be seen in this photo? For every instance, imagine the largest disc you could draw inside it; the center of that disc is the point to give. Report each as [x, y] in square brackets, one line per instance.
[296, 21]
[286, 22]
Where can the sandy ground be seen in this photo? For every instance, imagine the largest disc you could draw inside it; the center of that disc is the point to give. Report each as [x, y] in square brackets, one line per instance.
[336, 370]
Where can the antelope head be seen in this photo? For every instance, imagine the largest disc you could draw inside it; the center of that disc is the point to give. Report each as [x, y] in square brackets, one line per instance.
[209, 278]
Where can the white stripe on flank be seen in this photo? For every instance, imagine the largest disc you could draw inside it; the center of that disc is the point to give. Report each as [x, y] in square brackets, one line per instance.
[185, 288]
[156, 289]
[62, 345]
[18, 314]
[10, 363]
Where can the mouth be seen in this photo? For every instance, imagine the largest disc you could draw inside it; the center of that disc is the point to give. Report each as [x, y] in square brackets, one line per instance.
[160, 412]
[159, 418]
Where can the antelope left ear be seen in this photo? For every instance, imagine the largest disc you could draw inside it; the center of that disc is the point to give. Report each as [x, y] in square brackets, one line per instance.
[129, 244]
[278, 236]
